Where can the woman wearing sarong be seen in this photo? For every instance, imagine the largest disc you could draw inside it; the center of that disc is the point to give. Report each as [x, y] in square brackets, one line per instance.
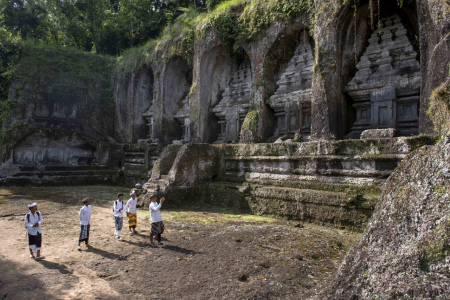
[132, 212]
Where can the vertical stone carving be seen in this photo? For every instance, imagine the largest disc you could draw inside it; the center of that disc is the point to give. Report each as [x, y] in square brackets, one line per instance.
[386, 86]
[148, 115]
[292, 100]
[235, 103]
[183, 116]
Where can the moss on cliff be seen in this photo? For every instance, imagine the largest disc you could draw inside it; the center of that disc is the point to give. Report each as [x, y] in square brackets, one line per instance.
[251, 123]
[435, 246]
[236, 22]
[439, 109]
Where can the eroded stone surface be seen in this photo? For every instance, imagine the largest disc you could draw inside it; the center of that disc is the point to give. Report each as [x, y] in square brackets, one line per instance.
[405, 250]
[378, 133]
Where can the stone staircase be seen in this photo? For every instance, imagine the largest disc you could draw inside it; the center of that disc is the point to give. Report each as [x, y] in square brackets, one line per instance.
[138, 160]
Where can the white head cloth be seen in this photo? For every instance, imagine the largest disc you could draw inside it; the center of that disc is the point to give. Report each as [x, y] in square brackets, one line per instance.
[32, 205]
[132, 192]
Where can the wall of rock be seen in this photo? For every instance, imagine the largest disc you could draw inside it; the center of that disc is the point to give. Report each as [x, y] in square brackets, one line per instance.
[405, 250]
[63, 117]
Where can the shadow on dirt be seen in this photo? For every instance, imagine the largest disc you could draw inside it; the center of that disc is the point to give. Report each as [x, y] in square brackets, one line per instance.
[180, 249]
[55, 266]
[103, 253]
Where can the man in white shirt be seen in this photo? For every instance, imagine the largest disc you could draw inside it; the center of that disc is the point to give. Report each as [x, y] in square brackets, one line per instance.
[85, 222]
[157, 227]
[33, 221]
[118, 215]
[132, 212]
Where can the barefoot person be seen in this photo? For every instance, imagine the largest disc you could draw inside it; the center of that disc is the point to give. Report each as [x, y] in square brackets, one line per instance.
[156, 220]
[85, 222]
[118, 215]
[33, 221]
[132, 212]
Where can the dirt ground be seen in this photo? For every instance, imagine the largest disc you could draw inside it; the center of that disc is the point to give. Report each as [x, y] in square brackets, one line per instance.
[207, 253]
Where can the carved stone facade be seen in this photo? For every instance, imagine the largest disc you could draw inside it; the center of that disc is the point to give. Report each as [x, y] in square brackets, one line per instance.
[292, 100]
[183, 117]
[386, 87]
[148, 115]
[235, 103]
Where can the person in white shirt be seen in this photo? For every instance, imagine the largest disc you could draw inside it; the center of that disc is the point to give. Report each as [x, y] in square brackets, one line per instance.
[33, 221]
[85, 222]
[132, 212]
[157, 227]
[119, 207]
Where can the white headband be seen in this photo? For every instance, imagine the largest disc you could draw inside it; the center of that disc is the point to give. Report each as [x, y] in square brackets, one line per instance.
[133, 192]
[32, 205]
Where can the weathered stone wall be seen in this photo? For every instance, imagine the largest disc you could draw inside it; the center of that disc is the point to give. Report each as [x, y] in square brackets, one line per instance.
[405, 250]
[133, 94]
[66, 98]
[336, 183]
[434, 20]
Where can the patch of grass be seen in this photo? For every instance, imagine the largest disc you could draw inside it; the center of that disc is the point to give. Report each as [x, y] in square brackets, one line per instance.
[214, 217]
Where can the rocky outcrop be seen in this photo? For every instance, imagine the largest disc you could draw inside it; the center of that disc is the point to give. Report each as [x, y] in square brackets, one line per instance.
[405, 250]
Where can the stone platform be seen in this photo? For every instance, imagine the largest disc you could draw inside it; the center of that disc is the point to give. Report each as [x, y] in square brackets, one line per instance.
[326, 182]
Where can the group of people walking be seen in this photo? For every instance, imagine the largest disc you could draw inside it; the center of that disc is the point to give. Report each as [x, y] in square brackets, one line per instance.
[33, 221]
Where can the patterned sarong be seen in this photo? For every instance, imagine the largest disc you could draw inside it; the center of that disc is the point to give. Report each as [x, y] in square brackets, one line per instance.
[132, 220]
[84, 233]
[35, 241]
[157, 228]
[118, 223]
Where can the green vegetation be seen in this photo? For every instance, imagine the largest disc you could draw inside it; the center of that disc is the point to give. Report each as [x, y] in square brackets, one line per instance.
[251, 122]
[436, 246]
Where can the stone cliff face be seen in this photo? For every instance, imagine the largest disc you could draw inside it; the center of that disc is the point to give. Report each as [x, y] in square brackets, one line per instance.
[405, 250]
[325, 74]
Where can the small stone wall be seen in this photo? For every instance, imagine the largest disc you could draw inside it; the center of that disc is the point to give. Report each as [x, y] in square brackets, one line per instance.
[327, 182]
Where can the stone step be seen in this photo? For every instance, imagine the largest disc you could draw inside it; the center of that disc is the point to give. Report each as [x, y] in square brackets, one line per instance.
[142, 153]
[303, 204]
[135, 160]
[64, 173]
[373, 167]
[77, 168]
[305, 196]
[133, 164]
[364, 157]
[57, 180]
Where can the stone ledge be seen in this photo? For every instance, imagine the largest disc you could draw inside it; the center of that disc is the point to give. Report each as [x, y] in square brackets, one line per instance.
[387, 133]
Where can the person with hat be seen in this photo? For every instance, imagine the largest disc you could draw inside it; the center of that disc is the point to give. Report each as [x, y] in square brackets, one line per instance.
[118, 215]
[132, 212]
[85, 222]
[33, 221]
[157, 225]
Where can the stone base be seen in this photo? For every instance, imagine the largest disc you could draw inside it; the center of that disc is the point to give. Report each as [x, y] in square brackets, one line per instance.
[378, 133]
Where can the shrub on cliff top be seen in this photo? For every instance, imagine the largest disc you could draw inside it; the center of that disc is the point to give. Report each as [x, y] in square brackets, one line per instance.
[439, 109]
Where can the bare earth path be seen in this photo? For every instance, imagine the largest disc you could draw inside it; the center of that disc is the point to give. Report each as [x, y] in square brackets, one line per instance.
[206, 253]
